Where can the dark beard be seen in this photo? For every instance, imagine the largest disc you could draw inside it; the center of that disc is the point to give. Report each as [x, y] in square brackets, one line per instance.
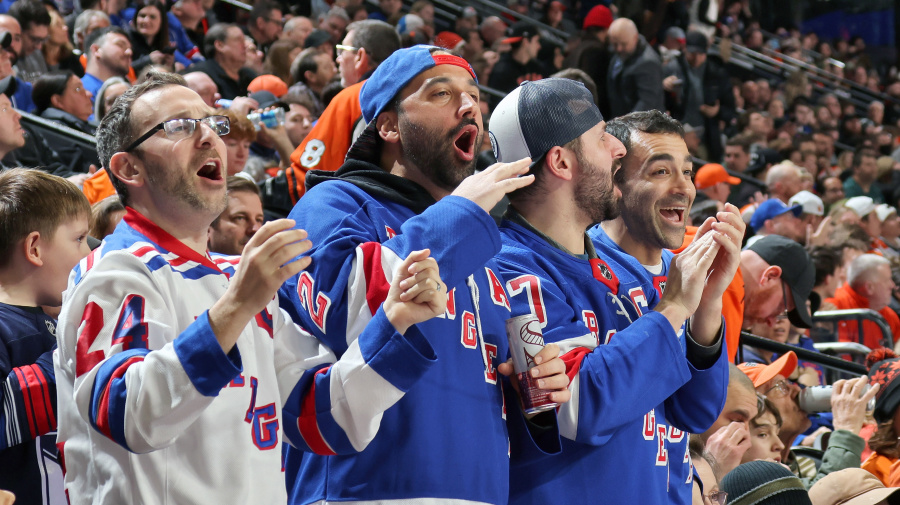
[431, 151]
[594, 195]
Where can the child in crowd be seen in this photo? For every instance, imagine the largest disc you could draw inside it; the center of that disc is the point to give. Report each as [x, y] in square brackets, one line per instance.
[44, 223]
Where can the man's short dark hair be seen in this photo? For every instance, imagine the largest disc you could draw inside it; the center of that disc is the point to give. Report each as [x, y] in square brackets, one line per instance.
[378, 38]
[866, 152]
[650, 122]
[742, 140]
[298, 99]
[29, 13]
[237, 184]
[826, 260]
[305, 62]
[217, 33]
[117, 131]
[263, 9]
[98, 37]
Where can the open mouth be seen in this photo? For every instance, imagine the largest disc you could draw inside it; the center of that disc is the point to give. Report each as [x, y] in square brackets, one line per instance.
[465, 142]
[211, 170]
[674, 215]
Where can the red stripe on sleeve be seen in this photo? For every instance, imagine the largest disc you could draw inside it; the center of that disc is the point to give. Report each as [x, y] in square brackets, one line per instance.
[573, 360]
[103, 407]
[308, 425]
[33, 384]
[26, 399]
[377, 285]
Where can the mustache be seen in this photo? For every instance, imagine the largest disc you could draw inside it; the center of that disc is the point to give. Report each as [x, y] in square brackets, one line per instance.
[462, 124]
[204, 155]
[676, 201]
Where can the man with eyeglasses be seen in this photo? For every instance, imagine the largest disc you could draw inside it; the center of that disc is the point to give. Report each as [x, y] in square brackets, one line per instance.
[848, 404]
[178, 374]
[778, 276]
[34, 19]
[266, 23]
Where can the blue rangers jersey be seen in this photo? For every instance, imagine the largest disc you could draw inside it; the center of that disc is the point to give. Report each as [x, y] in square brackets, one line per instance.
[635, 396]
[151, 410]
[445, 441]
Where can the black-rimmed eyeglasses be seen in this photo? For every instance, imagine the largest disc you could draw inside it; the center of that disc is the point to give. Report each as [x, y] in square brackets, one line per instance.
[180, 128]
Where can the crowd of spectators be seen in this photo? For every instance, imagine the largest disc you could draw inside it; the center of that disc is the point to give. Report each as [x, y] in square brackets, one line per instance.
[813, 161]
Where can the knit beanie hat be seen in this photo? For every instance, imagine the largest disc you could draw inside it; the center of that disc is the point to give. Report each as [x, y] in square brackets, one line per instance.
[763, 483]
[884, 368]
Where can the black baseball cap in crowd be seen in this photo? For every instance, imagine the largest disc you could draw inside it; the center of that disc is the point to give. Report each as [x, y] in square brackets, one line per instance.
[316, 38]
[696, 42]
[519, 31]
[797, 271]
[540, 115]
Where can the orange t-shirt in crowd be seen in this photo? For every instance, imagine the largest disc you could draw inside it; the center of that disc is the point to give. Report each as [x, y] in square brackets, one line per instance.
[98, 186]
[848, 331]
[732, 302]
[326, 145]
[880, 466]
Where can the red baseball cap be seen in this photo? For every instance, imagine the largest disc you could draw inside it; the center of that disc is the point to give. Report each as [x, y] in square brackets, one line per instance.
[711, 174]
[760, 374]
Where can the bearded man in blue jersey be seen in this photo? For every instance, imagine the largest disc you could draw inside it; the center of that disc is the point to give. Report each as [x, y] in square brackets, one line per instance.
[407, 181]
[640, 378]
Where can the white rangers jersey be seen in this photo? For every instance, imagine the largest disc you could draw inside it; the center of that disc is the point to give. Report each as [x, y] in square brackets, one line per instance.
[151, 410]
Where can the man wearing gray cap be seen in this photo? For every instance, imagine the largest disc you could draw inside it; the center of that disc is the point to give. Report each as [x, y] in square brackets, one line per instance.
[625, 400]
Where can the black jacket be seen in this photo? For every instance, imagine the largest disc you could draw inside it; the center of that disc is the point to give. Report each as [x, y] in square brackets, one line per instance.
[636, 83]
[716, 87]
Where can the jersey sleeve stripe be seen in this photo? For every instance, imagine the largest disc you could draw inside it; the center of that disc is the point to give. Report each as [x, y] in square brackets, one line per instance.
[377, 285]
[26, 401]
[307, 423]
[110, 394]
[33, 385]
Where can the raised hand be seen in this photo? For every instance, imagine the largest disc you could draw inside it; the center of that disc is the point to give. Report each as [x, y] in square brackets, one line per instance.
[417, 293]
[728, 445]
[848, 403]
[686, 280]
[268, 260]
[488, 187]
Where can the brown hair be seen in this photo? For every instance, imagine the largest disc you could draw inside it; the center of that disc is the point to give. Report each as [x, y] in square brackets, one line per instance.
[237, 184]
[884, 440]
[32, 200]
[101, 216]
[116, 130]
[278, 62]
[768, 407]
[241, 127]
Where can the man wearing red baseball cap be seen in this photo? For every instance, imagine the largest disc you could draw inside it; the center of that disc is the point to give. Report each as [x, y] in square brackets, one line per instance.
[713, 181]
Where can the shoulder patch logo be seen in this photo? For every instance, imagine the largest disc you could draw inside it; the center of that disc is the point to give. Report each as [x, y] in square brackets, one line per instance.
[604, 274]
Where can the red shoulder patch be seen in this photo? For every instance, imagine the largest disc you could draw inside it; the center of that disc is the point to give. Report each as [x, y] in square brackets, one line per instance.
[604, 274]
